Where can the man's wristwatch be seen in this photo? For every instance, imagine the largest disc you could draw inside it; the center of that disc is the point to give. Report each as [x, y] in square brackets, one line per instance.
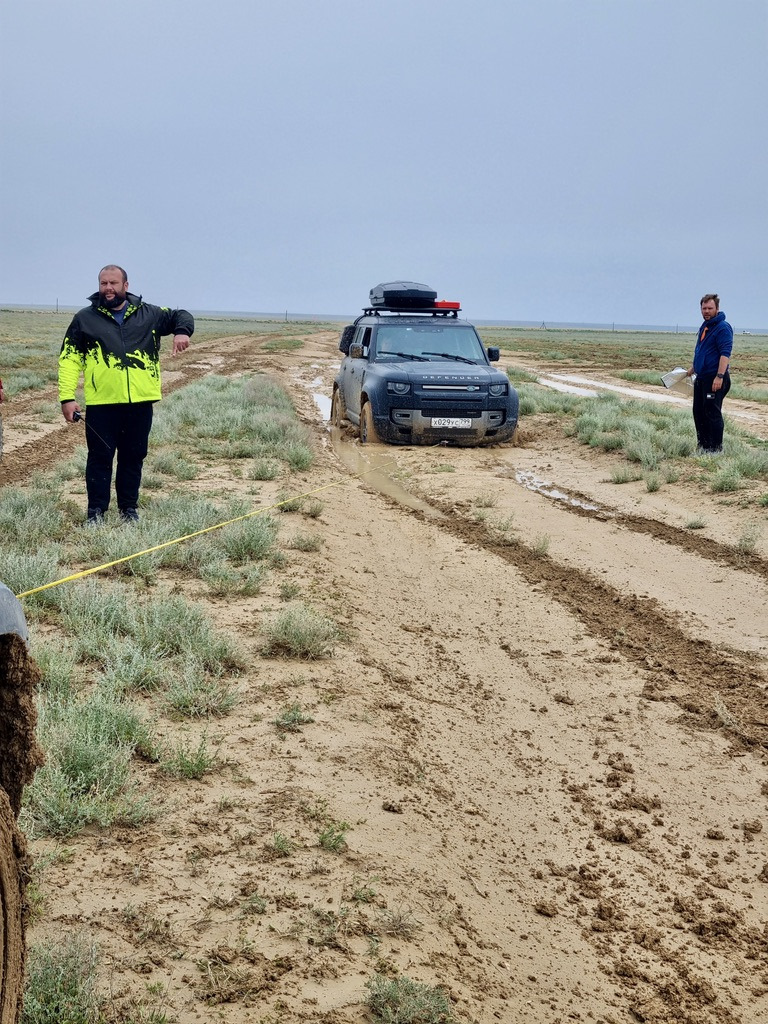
[719, 376]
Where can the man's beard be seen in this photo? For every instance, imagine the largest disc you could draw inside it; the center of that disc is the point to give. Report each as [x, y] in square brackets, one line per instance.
[118, 300]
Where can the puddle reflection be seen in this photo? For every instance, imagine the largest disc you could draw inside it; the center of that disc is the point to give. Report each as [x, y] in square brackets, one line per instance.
[533, 483]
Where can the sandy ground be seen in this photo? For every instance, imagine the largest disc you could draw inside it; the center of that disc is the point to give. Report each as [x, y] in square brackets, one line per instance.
[546, 729]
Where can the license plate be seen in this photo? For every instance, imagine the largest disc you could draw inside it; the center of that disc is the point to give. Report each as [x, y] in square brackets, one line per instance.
[452, 422]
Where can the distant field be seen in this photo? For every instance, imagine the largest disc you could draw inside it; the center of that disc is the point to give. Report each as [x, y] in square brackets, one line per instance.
[616, 351]
[30, 341]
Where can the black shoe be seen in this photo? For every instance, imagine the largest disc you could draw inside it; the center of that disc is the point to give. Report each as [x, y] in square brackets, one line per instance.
[129, 515]
[95, 517]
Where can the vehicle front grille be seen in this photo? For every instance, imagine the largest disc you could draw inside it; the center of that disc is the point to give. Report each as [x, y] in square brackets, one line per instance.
[457, 408]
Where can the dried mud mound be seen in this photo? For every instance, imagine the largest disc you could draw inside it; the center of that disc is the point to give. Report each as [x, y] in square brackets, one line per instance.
[20, 756]
[13, 876]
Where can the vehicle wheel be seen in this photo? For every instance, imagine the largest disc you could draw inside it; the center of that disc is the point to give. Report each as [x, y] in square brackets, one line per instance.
[338, 408]
[368, 432]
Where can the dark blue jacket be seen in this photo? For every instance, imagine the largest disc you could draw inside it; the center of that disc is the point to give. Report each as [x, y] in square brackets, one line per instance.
[715, 339]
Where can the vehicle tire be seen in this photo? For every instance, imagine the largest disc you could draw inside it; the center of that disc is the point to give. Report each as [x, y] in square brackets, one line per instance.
[346, 338]
[338, 408]
[368, 432]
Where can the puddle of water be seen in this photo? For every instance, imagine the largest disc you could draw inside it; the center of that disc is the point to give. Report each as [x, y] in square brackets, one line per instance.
[567, 389]
[585, 386]
[321, 400]
[533, 483]
[372, 468]
[323, 403]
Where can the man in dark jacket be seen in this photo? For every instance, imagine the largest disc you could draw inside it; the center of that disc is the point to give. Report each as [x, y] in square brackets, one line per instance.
[115, 344]
[711, 360]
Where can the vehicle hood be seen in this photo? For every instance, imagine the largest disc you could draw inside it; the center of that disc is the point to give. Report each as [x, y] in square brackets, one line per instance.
[441, 371]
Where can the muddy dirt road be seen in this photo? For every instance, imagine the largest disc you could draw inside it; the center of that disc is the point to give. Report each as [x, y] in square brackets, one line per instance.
[546, 729]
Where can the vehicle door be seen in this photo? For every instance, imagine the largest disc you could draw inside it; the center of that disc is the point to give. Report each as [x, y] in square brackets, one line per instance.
[354, 369]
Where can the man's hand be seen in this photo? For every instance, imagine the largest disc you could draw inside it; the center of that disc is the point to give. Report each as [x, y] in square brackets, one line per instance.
[180, 344]
[68, 410]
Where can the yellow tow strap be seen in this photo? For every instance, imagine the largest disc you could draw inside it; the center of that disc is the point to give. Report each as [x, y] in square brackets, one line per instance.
[189, 536]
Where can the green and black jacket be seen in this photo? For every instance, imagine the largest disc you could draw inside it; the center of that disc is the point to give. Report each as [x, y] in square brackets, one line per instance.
[120, 362]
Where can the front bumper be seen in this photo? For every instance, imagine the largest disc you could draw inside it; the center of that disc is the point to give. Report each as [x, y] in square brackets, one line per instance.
[412, 426]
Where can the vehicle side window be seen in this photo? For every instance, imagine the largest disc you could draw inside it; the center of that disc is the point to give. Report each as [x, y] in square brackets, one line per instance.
[364, 338]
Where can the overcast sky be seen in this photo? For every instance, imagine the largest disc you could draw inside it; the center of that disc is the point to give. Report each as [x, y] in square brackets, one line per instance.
[559, 160]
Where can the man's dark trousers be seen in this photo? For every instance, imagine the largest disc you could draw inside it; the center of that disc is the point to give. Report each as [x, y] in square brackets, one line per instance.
[116, 428]
[707, 414]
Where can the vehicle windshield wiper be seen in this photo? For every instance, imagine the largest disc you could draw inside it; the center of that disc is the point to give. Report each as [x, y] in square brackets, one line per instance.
[406, 355]
[450, 355]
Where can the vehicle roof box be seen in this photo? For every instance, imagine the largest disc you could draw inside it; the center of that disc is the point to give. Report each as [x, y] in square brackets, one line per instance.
[402, 295]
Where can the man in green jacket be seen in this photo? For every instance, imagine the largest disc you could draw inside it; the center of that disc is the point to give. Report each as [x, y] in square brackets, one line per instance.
[115, 344]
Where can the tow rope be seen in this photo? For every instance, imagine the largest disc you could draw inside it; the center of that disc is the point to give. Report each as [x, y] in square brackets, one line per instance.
[190, 536]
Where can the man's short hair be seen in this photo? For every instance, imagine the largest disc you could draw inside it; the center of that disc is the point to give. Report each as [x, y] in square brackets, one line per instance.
[114, 266]
[705, 298]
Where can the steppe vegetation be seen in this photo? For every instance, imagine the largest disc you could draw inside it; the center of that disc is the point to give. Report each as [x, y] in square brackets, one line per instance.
[143, 677]
[655, 441]
[640, 356]
[30, 341]
[129, 665]
[117, 636]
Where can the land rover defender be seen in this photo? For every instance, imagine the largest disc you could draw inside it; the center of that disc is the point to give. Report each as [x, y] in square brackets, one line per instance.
[412, 372]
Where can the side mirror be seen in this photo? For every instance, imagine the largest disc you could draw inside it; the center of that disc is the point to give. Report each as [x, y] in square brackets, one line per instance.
[493, 354]
[356, 351]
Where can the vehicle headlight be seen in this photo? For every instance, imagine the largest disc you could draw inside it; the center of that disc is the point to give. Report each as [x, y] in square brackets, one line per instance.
[497, 389]
[398, 387]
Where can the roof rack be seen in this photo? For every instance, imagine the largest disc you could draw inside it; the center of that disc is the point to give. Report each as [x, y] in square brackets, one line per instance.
[412, 310]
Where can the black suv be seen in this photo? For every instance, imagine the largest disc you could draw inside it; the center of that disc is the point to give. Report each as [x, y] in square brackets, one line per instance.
[413, 373]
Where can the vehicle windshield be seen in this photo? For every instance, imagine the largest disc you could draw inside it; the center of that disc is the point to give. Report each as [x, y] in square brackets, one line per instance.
[429, 341]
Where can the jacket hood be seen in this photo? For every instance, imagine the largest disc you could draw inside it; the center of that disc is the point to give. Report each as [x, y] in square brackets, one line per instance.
[715, 320]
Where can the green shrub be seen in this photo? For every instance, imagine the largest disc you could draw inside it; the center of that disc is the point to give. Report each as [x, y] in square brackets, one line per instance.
[61, 979]
[248, 540]
[85, 779]
[264, 469]
[299, 632]
[726, 479]
[186, 761]
[402, 1001]
[292, 718]
[333, 837]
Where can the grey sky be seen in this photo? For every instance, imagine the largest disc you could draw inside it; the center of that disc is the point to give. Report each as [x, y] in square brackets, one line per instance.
[600, 160]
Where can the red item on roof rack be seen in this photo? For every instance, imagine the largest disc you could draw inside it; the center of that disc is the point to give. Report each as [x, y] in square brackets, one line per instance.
[444, 304]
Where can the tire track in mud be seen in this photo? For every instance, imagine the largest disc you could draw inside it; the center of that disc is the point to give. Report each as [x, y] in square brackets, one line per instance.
[685, 540]
[691, 673]
[703, 547]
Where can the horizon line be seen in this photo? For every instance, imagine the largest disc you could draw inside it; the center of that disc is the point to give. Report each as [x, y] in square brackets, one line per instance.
[287, 317]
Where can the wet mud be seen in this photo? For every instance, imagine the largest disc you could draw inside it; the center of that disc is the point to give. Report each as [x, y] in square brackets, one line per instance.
[20, 753]
[20, 756]
[679, 669]
[530, 753]
[705, 547]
